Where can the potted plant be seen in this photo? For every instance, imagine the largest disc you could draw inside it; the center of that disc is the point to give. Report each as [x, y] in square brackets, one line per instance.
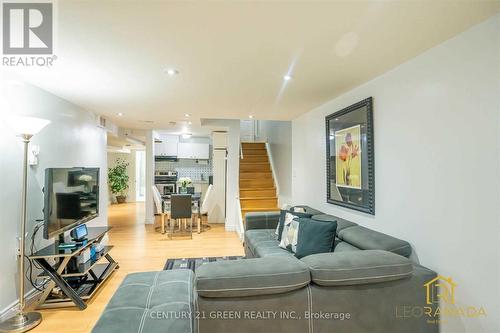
[185, 182]
[118, 180]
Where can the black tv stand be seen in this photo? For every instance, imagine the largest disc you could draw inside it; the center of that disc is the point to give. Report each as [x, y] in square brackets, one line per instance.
[76, 286]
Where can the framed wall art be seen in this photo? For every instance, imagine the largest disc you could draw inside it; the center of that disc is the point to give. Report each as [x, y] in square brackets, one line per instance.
[350, 159]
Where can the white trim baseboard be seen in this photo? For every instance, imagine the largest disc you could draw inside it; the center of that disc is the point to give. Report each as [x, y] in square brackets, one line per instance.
[9, 311]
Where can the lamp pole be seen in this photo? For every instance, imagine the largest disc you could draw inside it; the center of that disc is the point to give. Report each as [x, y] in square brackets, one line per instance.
[22, 303]
[22, 321]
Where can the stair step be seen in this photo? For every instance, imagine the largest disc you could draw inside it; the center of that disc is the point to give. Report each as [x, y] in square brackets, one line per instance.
[255, 167]
[258, 203]
[256, 175]
[258, 192]
[254, 158]
[256, 183]
[253, 145]
[254, 152]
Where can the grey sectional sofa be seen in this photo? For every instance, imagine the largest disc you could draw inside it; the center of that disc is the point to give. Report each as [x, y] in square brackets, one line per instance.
[363, 286]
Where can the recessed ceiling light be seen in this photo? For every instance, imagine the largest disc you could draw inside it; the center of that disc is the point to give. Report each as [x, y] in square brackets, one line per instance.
[250, 116]
[119, 114]
[187, 115]
[171, 71]
[190, 123]
[287, 77]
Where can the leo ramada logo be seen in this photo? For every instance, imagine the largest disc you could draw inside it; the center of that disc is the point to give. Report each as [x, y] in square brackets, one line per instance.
[440, 303]
[440, 288]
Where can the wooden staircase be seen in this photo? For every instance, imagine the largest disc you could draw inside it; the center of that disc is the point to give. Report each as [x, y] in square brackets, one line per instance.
[257, 190]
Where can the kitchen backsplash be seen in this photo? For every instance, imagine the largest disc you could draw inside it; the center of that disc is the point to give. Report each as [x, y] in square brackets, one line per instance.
[187, 168]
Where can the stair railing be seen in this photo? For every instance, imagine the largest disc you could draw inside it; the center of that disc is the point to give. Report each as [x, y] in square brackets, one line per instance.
[273, 171]
[240, 228]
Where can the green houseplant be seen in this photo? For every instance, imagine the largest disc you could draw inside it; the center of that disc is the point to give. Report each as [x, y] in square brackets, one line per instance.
[118, 180]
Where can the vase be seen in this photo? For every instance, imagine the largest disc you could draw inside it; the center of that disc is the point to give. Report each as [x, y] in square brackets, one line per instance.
[184, 190]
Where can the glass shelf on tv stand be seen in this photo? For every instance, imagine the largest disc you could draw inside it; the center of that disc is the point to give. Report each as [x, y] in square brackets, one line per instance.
[78, 286]
[53, 250]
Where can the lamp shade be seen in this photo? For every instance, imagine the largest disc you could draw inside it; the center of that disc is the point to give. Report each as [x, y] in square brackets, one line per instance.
[27, 125]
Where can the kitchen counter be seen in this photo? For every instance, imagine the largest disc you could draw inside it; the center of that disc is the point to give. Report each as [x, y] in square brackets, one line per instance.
[197, 182]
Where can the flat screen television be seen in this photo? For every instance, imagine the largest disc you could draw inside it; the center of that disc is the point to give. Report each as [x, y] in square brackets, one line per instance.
[71, 198]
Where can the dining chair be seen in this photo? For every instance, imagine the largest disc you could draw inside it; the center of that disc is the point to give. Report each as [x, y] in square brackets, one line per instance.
[180, 208]
[160, 207]
[206, 206]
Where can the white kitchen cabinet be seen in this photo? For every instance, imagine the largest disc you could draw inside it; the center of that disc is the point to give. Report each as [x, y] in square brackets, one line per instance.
[184, 150]
[168, 145]
[201, 151]
[197, 151]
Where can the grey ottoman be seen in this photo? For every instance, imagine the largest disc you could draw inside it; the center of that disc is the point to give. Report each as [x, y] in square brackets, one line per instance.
[151, 302]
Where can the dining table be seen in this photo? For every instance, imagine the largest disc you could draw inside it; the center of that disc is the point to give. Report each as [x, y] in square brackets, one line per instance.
[195, 199]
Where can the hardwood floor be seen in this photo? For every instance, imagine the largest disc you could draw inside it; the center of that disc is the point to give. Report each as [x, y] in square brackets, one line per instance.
[137, 248]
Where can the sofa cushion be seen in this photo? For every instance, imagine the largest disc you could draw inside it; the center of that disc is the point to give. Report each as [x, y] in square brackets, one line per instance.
[141, 296]
[274, 250]
[261, 220]
[367, 239]
[315, 237]
[259, 236]
[341, 246]
[250, 277]
[357, 267]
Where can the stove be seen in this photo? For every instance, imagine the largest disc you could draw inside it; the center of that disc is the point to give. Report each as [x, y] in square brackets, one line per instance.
[166, 182]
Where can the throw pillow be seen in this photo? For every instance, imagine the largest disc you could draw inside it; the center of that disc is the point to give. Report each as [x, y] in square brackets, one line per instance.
[314, 237]
[289, 229]
[289, 241]
[279, 226]
[281, 223]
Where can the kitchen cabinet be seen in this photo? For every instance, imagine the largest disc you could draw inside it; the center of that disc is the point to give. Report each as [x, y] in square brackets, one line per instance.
[168, 145]
[197, 151]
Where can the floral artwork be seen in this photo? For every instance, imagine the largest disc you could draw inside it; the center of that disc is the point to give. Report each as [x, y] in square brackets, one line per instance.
[348, 157]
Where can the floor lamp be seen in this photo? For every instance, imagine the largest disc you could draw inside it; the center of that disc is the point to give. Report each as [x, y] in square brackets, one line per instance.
[23, 321]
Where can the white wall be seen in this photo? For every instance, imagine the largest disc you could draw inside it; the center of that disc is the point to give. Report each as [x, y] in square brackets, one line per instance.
[437, 143]
[131, 172]
[150, 175]
[233, 168]
[71, 140]
[279, 136]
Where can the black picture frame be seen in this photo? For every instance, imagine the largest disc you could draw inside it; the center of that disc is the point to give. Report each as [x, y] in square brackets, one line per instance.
[356, 191]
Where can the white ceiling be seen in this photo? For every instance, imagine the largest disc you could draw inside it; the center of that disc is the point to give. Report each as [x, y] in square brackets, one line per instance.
[232, 55]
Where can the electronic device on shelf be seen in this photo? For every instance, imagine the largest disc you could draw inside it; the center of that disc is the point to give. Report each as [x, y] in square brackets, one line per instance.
[67, 245]
[80, 233]
[71, 198]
